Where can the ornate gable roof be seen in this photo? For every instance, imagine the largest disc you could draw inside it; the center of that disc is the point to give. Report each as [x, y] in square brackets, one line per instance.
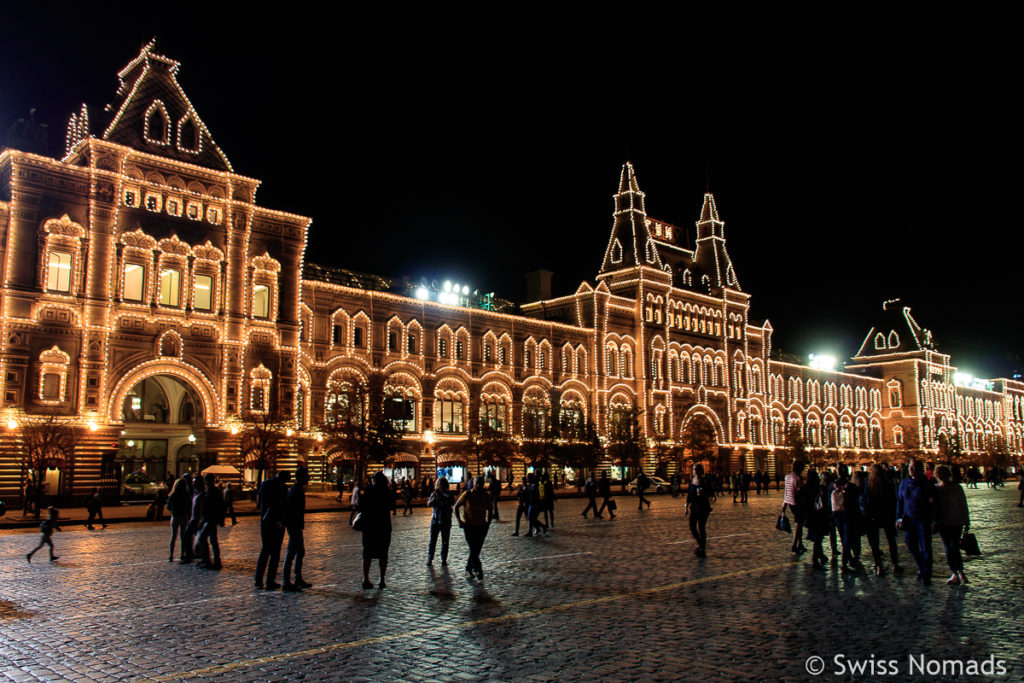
[630, 244]
[895, 331]
[151, 113]
[710, 253]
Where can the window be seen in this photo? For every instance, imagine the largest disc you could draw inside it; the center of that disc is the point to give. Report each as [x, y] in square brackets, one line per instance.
[131, 197]
[392, 341]
[543, 361]
[501, 355]
[173, 206]
[400, 411]
[338, 336]
[535, 419]
[412, 344]
[528, 357]
[460, 350]
[492, 414]
[58, 272]
[487, 353]
[450, 416]
[170, 287]
[261, 301]
[134, 281]
[357, 337]
[194, 211]
[897, 435]
[203, 299]
[213, 215]
[442, 348]
[153, 202]
[51, 386]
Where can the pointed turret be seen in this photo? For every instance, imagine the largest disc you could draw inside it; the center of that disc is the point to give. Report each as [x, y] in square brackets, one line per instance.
[151, 113]
[710, 253]
[630, 243]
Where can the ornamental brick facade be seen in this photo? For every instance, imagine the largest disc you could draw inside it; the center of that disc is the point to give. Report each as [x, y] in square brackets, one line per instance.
[149, 301]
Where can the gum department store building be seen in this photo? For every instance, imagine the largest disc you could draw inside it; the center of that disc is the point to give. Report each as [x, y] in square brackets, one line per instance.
[150, 301]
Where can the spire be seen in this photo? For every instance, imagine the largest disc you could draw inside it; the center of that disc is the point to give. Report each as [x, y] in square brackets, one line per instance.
[630, 243]
[710, 253]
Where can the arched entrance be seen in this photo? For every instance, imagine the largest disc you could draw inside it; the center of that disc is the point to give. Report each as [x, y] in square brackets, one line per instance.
[164, 415]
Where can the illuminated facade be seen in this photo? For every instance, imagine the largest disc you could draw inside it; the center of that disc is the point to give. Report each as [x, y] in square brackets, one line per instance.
[148, 299]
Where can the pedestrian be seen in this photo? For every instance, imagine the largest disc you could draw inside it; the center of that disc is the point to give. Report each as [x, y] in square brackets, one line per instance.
[294, 523]
[828, 484]
[229, 504]
[270, 501]
[878, 510]
[375, 523]
[676, 483]
[357, 487]
[744, 485]
[604, 489]
[549, 501]
[212, 517]
[699, 497]
[407, 494]
[440, 503]
[94, 506]
[794, 480]
[952, 521]
[536, 490]
[590, 491]
[846, 512]
[180, 507]
[30, 496]
[479, 509]
[914, 516]
[778, 478]
[48, 526]
[195, 520]
[159, 503]
[815, 519]
[495, 488]
[642, 482]
[522, 504]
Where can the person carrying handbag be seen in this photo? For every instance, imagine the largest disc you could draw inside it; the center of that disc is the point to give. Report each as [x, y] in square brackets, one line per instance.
[794, 481]
[952, 522]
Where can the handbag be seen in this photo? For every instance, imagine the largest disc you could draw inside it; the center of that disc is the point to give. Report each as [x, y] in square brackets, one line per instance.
[782, 523]
[969, 544]
[612, 505]
[357, 521]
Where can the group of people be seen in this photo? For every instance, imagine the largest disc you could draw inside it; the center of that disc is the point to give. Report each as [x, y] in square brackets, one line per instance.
[917, 501]
[535, 498]
[198, 508]
[283, 508]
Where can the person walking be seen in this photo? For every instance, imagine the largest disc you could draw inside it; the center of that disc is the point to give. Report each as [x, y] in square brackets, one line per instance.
[914, 503]
[523, 504]
[952, 521]
[604, 489]
[213, 517]
[295, 523]
[48, 526]
[811, 504]
[229, 504]
[407, 495]
[846, 512]
[878, 512]
[440, 503]
[536, 504]
[794, 480]
[495, 488]
[195, 520]
[270, 502]
[179, 505]
[590, 491]
[159, 502]
[374, 505]
[642, 482]
[549, 501]
[94, 506]
[353, 503]
[699, 496]
[479, 511]
[828, 484]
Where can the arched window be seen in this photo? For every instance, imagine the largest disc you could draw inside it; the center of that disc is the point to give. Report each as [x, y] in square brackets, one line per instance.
[259, 389]
[188, 135]
[53, 375]
[157, 127]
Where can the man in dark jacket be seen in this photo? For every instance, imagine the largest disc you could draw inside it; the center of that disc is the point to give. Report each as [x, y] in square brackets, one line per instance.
[914, 517]
[212, 517]
[604, 489]
[295, 522]
[271, 500]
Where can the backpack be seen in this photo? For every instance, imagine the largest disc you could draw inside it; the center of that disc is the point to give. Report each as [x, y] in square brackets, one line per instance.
[839, 498]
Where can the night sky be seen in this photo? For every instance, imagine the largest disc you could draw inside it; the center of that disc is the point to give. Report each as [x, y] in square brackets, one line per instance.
[843, 179]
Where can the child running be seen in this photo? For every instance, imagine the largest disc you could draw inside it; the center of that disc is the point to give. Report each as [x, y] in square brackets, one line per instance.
[47, 527]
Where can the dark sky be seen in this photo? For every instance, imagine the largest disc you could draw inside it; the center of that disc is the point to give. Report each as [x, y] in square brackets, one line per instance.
[848, 172]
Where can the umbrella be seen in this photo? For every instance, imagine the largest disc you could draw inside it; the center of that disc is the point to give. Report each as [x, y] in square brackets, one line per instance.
[221, 469]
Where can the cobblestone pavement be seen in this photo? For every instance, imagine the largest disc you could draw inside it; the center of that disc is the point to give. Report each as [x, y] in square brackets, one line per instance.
[594, 600]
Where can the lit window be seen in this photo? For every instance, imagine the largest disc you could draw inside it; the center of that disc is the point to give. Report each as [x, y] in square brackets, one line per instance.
[194, 211]
[173, 206]
[51, 387]
[450, 416]
[460, 350]
[213, 215]
[501, 355]
[131, 197]
[261, 301]
[58, 272]
[204, 293]
[134, 281]
[412, 344]
[487, 353]
[153, 202]
[170, 287]
[392, 341]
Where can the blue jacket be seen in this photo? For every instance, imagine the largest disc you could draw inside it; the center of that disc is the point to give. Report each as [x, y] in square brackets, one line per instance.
[914, 500]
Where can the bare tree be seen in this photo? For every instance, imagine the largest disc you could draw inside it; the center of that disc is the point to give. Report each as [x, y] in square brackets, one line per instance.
[355, 423]
[47, 441]
[699, 440]
[261, 441]
[626, 445]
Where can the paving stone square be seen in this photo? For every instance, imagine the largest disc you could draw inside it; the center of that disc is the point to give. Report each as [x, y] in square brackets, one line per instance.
[622, 599]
